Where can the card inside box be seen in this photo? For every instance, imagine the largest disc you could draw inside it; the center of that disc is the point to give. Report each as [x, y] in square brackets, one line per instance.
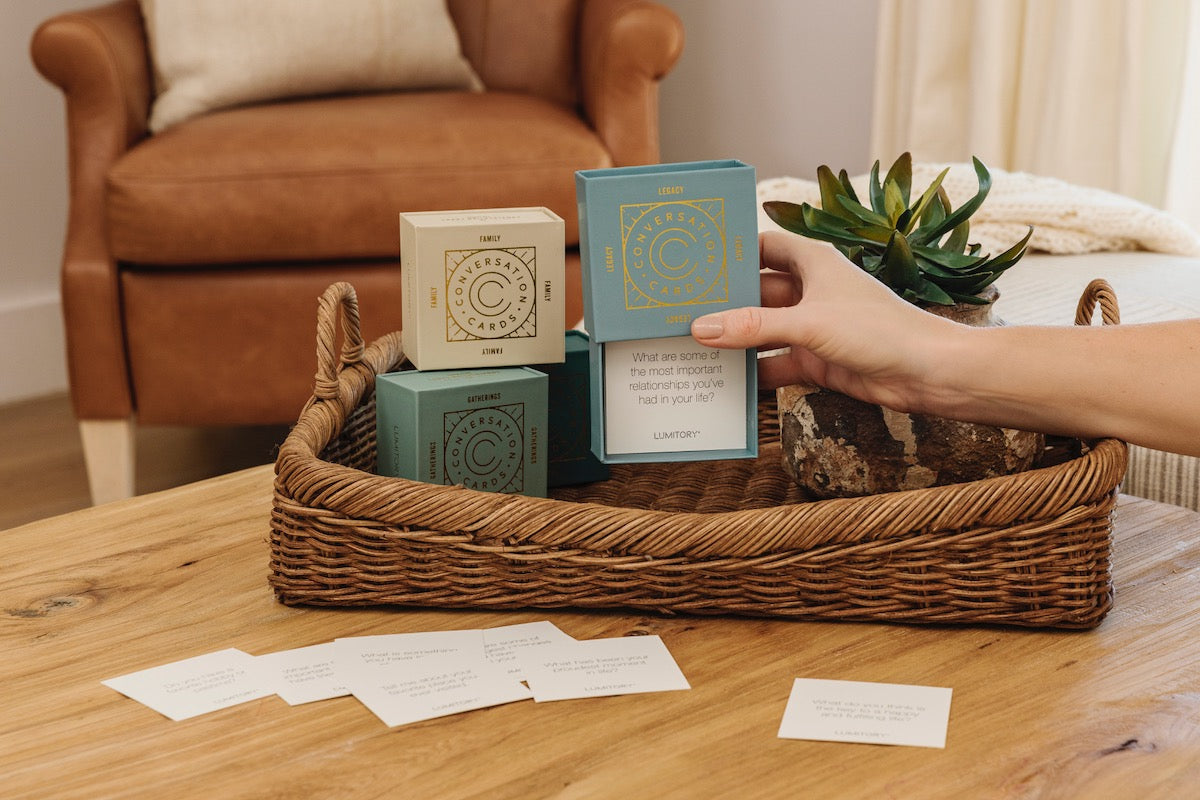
[672, 399]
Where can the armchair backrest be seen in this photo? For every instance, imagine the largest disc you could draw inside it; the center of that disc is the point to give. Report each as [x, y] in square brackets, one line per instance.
[522, 45]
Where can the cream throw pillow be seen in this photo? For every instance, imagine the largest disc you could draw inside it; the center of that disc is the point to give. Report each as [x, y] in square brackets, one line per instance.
[211, 54]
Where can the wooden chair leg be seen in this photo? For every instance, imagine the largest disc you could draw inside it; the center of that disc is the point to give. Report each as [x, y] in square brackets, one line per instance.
[108, 451]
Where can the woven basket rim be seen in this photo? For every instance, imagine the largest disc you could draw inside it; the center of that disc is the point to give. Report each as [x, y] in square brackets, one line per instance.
[303, 477]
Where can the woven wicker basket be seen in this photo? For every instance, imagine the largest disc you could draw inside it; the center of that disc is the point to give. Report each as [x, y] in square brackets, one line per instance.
[730, 537]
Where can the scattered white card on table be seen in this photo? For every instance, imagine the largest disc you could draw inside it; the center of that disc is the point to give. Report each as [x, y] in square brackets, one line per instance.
[194, 686]
[601, 668]
[303, 675]
[402, 648]
[434, 686]
[876, 713]
[503, 645]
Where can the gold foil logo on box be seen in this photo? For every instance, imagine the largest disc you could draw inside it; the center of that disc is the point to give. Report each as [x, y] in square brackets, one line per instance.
[485, 448]
[674, 253]
[491, 294]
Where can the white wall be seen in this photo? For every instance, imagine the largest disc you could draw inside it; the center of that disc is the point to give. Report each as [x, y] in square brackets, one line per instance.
[766, 81]
[33, 203]
[784, 85]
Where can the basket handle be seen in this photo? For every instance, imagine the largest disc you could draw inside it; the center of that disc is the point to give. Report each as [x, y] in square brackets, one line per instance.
[1098, 294]
[339, 303]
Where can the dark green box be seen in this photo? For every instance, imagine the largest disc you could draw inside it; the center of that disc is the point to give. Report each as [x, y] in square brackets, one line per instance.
[570, 416]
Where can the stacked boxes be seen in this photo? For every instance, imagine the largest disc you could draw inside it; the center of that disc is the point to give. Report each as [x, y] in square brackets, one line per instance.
[660, 246]
[483, 297]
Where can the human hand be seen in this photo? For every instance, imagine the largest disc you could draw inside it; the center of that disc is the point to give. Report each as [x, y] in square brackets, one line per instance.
[845, 330]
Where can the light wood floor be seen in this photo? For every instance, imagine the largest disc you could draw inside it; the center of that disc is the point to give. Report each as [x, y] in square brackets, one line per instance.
[41, 458]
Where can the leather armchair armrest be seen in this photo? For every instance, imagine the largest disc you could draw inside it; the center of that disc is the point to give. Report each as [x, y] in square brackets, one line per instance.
[626, 48]
[98, 58]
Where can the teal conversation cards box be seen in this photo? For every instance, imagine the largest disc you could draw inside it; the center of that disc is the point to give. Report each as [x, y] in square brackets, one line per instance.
[484, 429]
[663, 244]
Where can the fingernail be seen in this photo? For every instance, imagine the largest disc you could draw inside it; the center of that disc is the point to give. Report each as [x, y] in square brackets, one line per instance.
[709, 327]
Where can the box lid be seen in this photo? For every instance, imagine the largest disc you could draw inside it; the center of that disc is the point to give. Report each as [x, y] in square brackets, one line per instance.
[479, 216]
[421, 381]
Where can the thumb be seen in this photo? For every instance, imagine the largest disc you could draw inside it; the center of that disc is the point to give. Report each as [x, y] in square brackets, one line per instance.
[742, 328]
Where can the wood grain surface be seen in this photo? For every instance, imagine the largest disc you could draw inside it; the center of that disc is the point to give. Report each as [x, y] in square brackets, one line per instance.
[102, 592]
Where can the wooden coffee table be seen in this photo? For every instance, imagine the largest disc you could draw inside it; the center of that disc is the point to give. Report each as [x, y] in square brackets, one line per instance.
[1110, 713]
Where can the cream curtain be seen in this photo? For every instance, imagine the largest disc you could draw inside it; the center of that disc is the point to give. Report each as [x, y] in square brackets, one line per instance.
[1099, 93]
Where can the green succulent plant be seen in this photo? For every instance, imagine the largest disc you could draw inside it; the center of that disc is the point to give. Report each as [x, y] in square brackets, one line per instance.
[919, 249]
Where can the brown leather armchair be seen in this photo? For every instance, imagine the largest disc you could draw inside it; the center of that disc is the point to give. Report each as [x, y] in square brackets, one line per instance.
[194, 257]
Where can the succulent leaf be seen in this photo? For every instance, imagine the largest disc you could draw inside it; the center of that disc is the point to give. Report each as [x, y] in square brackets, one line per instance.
[900, 176]
[936, 211]
[849, 187]
[875, 190]
[957, 283]
[822, 222]
[1017, 250]
[893, 202]
[788, 216]
[952, 261]
[969, 299]
[957, 240]
[963, 212]
[899, 266]
[928, 293]
[831, 191]
[876, 233]
[918, 210]
[865, 214]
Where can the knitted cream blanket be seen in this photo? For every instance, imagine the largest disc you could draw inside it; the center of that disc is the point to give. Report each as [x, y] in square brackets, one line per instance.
[1066, 218]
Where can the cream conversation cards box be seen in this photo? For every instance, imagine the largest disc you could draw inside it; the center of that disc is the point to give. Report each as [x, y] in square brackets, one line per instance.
[482, 288]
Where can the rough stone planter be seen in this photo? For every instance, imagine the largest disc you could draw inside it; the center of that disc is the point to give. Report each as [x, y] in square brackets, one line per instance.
[836, 446]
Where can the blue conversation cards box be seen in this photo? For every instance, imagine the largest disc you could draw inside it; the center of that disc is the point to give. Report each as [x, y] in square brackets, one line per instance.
[663, 244]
